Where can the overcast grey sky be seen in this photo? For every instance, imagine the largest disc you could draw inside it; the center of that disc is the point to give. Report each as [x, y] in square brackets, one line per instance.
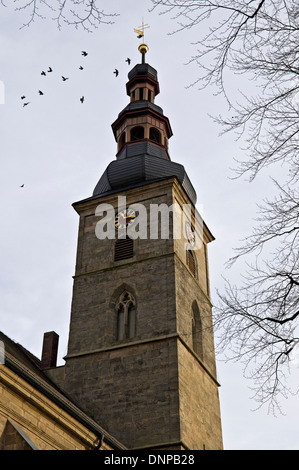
[58, 148]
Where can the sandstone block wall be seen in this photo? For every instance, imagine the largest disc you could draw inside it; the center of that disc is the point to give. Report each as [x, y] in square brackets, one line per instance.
[136, 388]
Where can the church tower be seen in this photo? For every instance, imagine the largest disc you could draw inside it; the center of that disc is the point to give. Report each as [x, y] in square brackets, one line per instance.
[140, 357]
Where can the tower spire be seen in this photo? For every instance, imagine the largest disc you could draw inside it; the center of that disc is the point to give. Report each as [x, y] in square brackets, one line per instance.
[143, 48]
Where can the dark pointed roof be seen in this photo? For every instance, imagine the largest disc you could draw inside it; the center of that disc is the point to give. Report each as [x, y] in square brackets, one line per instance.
[142, 163]
[143, 72]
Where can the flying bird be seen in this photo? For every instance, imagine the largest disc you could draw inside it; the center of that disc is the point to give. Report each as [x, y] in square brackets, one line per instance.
[82, 99]
[22, 186]
[64, 78]
[50, 70]
[43, 73]
[116, 72]
[25, 104]
[128, 60]
[80, 68]
[84, 53]
[23, 97]
[40, 92]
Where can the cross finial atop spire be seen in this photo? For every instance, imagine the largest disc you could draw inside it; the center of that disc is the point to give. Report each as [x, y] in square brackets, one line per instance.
[143, 48]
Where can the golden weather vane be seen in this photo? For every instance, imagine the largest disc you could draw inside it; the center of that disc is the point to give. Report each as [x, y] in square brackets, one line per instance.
[143, 48]
[140, 30]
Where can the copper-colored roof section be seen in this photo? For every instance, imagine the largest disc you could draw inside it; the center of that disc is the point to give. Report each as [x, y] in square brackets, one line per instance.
[138, 108]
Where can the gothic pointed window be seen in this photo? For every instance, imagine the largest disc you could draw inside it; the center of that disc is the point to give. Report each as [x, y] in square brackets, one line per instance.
[126, 316]
[197, 331]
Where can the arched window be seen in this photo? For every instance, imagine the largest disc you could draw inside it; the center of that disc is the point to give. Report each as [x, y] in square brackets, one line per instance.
[126, 316]
[191, 262]
[137, 133]
[155, 135]
[197, 331]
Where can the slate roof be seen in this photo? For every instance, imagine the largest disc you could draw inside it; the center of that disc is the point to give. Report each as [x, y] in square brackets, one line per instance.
[132, 171]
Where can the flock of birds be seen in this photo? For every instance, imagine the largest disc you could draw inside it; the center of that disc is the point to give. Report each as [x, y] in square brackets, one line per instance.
[43, 73]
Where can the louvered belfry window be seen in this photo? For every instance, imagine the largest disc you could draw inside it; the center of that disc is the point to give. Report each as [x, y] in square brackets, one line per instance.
[124, 249]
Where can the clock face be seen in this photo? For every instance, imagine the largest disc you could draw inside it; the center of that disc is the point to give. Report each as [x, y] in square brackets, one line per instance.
[124, 218]
[189, 234]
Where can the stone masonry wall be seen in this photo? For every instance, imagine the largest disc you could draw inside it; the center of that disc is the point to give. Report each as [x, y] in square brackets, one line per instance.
[132, 391]
[136, 388]
[46, 425]
[199, 404]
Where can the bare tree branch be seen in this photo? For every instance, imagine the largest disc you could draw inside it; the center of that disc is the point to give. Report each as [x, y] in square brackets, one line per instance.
[78, 13]
[257, 39]
[257, 320]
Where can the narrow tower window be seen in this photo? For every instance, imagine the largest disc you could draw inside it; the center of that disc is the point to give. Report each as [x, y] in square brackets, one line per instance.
[191, 262]
[126, 316]
[197, 331]
[137, 133]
